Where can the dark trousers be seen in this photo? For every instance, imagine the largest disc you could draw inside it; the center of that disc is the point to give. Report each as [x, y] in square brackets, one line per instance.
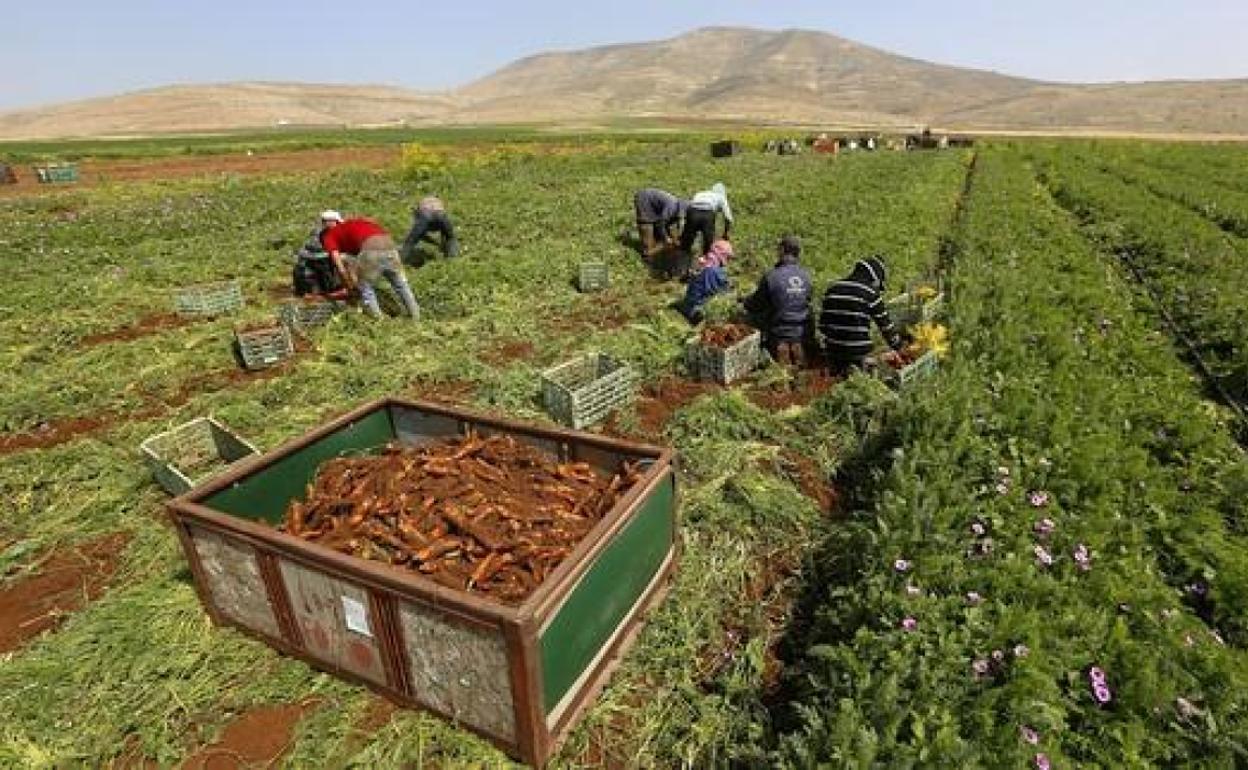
[424, 225]
[698, 222]
[843, 362]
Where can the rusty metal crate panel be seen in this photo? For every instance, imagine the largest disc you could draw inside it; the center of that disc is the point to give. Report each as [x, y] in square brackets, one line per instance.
[208, 299]
[261, 348]
[593, 276]
[458, 668]
[300, 315]
[723, 365]
[193, 453]
[335, 621]
[583, 391]
[232, 572]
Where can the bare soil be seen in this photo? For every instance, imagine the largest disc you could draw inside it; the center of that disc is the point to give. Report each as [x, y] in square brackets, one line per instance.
[657, 403]
[257, 738]
[515, 350]
[451, 392]
[144, 327]
[65, 582]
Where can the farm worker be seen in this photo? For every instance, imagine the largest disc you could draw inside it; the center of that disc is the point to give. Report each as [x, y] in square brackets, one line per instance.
[657, 212]
[700, 218]
[849, 307]
[430, 216]
[711, 279]
[782, 304]
[314, 273]
[373, 255]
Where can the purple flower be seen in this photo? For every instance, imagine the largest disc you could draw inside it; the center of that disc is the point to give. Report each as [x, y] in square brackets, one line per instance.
[1198, 589]
[1042, 762]
[1081, 553]
[913, 590]
[1038, 499]
[973, 597]
[1029, 735]
[901, 565]
[1097, 675]
[980, 666]
[1044, 527]
[1101, 693]
[1021, 651]
[1042, 555]
[909, 624]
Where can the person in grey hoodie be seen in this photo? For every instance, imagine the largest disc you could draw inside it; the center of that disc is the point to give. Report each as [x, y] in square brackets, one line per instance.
[700, 219]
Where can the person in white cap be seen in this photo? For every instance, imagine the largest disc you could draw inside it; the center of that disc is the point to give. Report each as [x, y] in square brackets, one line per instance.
[373, 256]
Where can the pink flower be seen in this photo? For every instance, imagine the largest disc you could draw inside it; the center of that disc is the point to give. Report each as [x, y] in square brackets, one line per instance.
[1097, 675]
[1101, 693]
[1081, 553]
[1044, 527]
[1042, 555]
[1029, 735]
[973, 597]
[909, 624]
[1038, 499]
[1021, 651]
[901, 565]
[1042, 762]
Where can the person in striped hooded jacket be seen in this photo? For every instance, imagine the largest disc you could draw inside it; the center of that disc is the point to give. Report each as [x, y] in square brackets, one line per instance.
[849, 307]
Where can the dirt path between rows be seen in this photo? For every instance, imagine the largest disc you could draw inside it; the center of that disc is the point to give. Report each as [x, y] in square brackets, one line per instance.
[64, 583]
[93, 173]
[257, 738]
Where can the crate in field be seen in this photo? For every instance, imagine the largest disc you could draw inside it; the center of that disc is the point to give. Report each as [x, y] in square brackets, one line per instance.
[581, 392]
[922, 368]
[723, 365]
[7, 174]
[191, 454]
[593, 276]
[519, 675]
[262, 347]
[56, 172]
[204, 300]
[725, 149]
[914, 308]
[301, 315]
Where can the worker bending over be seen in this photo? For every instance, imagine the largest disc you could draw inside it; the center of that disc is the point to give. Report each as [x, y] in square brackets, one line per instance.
[372, 255]
[849, 307]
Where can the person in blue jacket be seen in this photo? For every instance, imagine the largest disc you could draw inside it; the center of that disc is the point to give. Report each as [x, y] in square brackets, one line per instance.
[782, 305]
[711, 279]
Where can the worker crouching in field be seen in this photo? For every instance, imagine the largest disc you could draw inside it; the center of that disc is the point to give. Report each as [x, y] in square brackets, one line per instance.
[372, 255]
[430, 217]
[700, 220]
[849, 307]
[314, 274]
[711, 279]
[658, 211]
[781, 304]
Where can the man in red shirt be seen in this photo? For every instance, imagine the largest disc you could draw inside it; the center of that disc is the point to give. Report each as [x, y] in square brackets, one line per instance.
[371, 254]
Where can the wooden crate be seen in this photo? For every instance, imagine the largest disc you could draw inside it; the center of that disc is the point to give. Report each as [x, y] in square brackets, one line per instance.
[593, 276]
[521, 676]
[723, 365]
[263, 347]
[191, 454]
[204, 300]
[582, 391]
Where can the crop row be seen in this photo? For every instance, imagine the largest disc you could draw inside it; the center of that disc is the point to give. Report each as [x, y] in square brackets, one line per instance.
[1052, 571]
[1195, 269]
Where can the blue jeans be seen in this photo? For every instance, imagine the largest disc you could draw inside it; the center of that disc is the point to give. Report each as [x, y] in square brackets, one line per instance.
[371, 266]
[426, 223]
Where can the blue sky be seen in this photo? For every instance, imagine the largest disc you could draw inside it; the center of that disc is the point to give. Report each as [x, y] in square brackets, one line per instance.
[55, 50]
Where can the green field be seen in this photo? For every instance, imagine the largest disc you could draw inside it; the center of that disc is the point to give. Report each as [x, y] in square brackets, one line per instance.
[1095, 300]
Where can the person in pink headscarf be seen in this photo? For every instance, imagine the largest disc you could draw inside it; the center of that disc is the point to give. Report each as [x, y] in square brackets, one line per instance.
[711, 279]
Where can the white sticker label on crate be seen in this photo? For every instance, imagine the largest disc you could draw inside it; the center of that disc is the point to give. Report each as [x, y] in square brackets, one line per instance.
[356, 616]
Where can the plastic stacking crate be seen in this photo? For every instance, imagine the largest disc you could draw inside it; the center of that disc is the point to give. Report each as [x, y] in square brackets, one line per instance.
[519, 675]
[208, 299]
[582, 391]
[920, 369]
[191, 454]
[723, 365]
[725, 149]
[57, 172]
[908, 309]
[259, 348]
[593, 276]
[301, 315]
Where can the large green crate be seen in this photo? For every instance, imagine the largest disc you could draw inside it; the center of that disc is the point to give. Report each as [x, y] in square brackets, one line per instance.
[723, 365]
[205, 300]
[583, 391]
[519, 675]
[191, 454]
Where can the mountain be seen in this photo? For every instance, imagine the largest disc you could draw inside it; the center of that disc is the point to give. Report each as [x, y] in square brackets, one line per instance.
[791, 76]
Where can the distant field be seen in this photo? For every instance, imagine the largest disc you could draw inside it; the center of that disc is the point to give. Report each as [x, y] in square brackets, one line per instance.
[867, 579]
